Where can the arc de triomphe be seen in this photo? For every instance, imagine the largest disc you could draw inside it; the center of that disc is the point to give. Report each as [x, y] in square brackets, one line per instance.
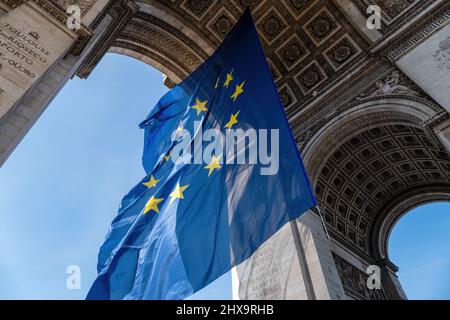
[369, 110]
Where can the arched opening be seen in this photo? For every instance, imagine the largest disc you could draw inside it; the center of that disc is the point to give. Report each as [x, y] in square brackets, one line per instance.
[418, 245]
[367, 169]
[371, 170]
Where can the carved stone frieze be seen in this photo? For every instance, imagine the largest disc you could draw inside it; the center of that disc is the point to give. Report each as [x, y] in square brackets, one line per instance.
[395, 83]
[84, 5]
[355, 282]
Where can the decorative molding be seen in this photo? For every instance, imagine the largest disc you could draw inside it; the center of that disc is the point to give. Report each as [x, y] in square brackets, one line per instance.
[221, 23]
[322, 26]
[84, 33]
[310, 77]
[84, 5]
[392, 10]
[121, 12]
[362, 163]
[343, 94]
[292, 52]
[342, 52]
[437, 119]
[382, 81]
[345, 131]
[163, 43]
[355, 281]
[168, 82]
[271, 25]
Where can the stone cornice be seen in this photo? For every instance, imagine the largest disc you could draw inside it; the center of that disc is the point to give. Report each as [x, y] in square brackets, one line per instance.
[84, 33]
[431, 23]
[57, 12]
[121, 12]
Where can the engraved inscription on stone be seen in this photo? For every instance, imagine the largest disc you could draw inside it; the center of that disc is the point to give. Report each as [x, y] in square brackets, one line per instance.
[273, 272]
[21, 51]
[264, 281]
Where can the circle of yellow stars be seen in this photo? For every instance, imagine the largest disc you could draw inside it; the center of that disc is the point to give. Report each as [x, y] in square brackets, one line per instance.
[199, 107]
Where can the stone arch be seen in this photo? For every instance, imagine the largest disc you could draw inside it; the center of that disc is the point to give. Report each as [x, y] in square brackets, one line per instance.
[401, 207]
[362, 114]
[369, 166]
[369, 162]
[163, 39]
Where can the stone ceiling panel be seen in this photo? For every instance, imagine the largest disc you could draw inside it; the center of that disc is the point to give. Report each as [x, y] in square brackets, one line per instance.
[307, 43]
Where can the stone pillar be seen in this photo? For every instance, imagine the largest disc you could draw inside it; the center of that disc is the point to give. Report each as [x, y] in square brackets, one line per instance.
[389, 280]
[324, 276]
[296, 263]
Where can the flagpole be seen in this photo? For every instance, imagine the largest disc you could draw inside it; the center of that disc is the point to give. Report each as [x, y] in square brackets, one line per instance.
[323, 223]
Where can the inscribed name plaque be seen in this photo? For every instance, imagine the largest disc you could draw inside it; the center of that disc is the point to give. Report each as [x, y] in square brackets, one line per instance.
[273, 272]
[31, 41]
[428, 65]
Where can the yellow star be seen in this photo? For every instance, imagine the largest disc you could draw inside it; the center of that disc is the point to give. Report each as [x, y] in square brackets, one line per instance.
[233, 120]
[151, 183]
[152, 204]
[213, 165]
[178, 192]
[238, 91]
[200, 106]
[229, 79]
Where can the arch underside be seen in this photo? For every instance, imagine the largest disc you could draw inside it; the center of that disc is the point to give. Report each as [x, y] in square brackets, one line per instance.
[369, 167]
[371, 172]
[369, 162]
[370, 159]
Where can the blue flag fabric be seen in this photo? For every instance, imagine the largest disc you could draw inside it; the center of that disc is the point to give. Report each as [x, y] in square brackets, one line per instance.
[190, 221]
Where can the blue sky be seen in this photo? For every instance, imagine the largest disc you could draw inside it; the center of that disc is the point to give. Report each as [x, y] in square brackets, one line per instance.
[420, 246]
[61, 188]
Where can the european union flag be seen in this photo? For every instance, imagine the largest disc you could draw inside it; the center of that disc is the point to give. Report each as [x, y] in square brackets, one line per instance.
[223, 175]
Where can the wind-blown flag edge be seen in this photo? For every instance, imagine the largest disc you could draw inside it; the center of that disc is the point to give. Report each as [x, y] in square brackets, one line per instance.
[313, 203]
